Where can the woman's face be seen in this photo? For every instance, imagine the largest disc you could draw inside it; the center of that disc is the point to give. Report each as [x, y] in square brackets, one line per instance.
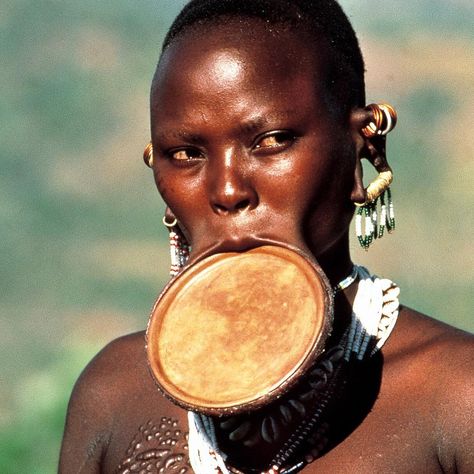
[245, 148]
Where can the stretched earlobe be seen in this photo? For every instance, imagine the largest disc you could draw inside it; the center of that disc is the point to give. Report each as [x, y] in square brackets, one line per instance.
[369, 128]
[358, 194]
[169, 219]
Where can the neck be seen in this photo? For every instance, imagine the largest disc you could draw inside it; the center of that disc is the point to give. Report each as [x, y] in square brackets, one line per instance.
[337, 264]
[336, 261]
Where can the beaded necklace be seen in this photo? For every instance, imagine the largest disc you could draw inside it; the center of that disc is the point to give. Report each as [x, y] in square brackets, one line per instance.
[374, 314]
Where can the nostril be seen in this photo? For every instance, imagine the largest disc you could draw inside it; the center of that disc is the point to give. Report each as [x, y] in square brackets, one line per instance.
[241, 205]
[220, 209]
[237, 207]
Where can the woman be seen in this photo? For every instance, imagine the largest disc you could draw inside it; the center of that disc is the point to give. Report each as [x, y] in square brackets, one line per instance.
[259, 125]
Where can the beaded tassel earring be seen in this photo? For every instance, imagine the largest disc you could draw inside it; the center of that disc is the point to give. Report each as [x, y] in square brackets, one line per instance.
[375, 220]
[179, 247]
[387, 214]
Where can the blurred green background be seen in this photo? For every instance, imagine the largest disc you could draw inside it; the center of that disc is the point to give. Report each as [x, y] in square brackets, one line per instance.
[83, 253]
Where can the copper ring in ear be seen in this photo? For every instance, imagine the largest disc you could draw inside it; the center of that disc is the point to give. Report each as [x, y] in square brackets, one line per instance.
[378, 186]
[384, 120]
[148, 155]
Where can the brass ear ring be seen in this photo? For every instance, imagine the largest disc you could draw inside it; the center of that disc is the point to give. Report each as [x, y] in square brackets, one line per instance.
[384, 120]
[377, 187]
[148, 155]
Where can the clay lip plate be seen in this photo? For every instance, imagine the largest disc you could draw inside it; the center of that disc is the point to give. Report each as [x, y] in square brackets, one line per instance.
[235, 330]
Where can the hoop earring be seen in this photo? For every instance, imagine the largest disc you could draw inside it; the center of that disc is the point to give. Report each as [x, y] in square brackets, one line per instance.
[384, 120]
[148, 155]
[179, 247]
[377, 216]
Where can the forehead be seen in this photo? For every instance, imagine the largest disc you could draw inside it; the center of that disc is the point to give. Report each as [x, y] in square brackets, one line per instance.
[241, 52]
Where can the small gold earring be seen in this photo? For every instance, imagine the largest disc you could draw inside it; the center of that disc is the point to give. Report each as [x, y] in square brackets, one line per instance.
[385, 119]
[148, 155]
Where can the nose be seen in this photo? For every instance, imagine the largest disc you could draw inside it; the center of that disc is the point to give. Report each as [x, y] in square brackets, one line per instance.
[231, 187]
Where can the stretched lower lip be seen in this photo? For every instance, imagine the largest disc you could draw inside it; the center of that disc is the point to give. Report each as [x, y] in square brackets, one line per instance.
[238, 245]
[229, 245]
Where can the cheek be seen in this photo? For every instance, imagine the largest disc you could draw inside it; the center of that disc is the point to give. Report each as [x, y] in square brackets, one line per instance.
[161, 185]
[169, 182]
[170, 190]
[306, 179]
[183, 195]
[332, 169]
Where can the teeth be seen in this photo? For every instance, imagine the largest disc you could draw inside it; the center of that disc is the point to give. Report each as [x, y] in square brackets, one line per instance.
[229, 424]
[385, 284]
[286, 413]
[335, 354]
[253, 440]
[298, 406]
[390, 307]
[327, 364]
[305, 397]
[391, 294]
[241, 432]
[270, 430]
[322, 378]
[317, 385]
[318, 373]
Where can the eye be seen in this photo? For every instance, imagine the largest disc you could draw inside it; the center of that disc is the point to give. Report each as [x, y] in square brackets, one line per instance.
[185, 154]
[274, 141]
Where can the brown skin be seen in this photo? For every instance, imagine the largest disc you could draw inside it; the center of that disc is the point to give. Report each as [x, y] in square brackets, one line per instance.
[245, 150]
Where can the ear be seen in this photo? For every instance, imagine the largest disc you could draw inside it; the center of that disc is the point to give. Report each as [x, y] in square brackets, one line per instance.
[358, 194]
[170, 220]
[169, 216]
[372, 149]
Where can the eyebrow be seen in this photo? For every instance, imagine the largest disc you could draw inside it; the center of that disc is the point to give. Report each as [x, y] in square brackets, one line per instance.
[248, 126]
[257, 123]
[253, 124]
[181, 135]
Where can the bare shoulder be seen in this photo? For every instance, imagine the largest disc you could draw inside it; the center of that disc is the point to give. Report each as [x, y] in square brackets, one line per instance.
[121, 361]
[92, 404]
[430, 365]
[124, 354]
[421, 340]
[114, 390]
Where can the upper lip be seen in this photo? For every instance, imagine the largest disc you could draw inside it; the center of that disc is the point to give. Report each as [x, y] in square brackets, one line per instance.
[237, 244]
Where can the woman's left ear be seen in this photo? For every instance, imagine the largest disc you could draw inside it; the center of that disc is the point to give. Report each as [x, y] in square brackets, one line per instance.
[358, 120]
[369, 139]
[358, 194]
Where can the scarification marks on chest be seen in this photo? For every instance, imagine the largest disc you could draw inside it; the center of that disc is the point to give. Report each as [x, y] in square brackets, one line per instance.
[158, 448]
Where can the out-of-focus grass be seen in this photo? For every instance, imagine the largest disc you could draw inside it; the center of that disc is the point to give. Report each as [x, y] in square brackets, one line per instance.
[83, 253]
[29, 442]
